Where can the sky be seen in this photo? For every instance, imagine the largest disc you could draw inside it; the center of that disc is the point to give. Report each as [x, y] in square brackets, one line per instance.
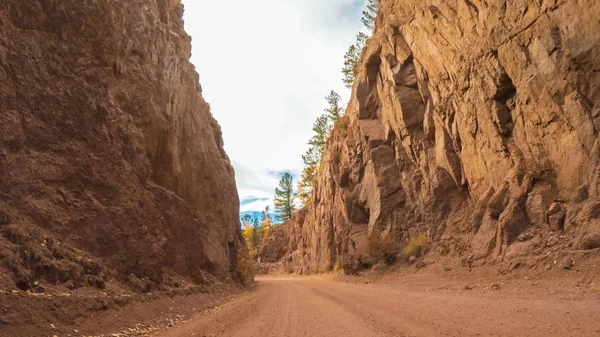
[265, 68]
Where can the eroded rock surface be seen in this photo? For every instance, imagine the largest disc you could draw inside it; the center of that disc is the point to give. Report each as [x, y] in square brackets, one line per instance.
[111, 165]
[473, 123]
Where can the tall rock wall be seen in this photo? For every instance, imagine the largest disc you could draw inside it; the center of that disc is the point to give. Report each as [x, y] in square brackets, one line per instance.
[111, 165]
[473, 123]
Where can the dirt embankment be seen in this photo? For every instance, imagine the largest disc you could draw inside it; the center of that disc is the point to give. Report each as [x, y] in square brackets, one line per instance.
[97, 314]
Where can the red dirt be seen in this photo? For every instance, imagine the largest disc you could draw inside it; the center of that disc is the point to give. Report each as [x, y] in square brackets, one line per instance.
[438, 300]
[433, 302]
[25, 314]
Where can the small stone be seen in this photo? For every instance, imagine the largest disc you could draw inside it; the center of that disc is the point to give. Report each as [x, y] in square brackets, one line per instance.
[525, 237]
[567, 264]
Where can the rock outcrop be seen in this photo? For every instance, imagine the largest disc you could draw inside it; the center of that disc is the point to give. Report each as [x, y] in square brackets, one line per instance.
[112, 168]
[473, 123]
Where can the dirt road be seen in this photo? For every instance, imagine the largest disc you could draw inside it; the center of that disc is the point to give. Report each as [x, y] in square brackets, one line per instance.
[297, 307]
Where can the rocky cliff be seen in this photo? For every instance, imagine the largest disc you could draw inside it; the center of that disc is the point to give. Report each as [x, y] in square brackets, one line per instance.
[473, 124]
[112, 168]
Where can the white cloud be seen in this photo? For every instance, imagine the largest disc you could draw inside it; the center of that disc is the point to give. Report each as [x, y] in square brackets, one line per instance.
[265, 67]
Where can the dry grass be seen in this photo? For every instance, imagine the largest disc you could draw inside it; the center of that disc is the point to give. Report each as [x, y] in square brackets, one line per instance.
[414, 244]
[383, 247]
[246, 269]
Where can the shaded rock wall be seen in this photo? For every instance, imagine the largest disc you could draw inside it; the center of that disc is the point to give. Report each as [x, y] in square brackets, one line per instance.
[473, 123]
[111, 165]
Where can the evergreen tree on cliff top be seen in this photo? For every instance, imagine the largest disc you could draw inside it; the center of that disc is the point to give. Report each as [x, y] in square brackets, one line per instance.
[351, 59]
[311, 161]
[350, 62]
[352, 56]
[335, 110]
[368, 18]
[312, 158]
[284, 198]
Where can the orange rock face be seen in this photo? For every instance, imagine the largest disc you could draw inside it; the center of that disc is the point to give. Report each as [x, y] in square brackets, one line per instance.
[472, 123]
[111, 165]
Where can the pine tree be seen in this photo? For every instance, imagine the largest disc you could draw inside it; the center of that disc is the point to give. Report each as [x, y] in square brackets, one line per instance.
[265, 214]
[352, 58]
[284, 198]
[368, 18]
[350, 61]
[361, 40]
[246, 219]
[312, 157]
[311, 161]
[266, 224]
[321, 127]
[255, 233]
[334, 112]
[304, 191]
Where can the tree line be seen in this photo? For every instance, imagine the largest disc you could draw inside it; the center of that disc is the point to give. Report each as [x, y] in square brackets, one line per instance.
[324, 123]
[352, 56]
[255, 229]
[286, 199]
